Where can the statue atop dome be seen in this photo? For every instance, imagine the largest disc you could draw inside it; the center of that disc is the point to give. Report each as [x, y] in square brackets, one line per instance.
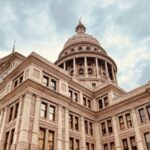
[80, 28]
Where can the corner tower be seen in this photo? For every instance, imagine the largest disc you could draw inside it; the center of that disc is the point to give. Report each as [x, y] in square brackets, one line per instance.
[84, 59]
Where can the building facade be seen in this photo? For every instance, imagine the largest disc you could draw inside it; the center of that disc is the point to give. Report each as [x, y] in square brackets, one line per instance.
[73, 104]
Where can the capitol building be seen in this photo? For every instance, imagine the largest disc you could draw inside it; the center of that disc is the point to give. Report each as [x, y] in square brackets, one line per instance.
[72, 104]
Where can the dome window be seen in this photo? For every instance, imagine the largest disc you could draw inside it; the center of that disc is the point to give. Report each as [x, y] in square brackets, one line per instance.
[80, 48]
[95, 49]
[81, 71]
[88, 48]
[72, 50]
[90, 71]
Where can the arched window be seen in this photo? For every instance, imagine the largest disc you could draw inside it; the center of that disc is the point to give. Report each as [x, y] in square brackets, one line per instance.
[88, 48]
[80, 48]
[81, 71]
[90, 71]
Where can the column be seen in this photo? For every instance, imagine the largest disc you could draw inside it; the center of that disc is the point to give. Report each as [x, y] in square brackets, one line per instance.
[106, 69]
[97, 67]
[85, 67]
[66, 129]
[83, 142]
[2, 127]
[74, 67]
[23, 141]
[65, 66]
[116, 133]
[13, 147]
[35, 131]
[137, 131]
[113, 73]
[97, 136]
[1, 114]
[59, 138]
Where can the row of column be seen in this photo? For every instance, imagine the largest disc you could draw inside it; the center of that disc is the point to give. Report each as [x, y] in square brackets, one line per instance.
[97, 68]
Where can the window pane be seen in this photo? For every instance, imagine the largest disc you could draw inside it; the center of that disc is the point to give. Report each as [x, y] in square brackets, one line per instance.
[133, 143]
[100, 104]
[76, 123]
[71, 121]
[43, 111]
[148, 111]
[109, 124]
[41, 139]
[121, 122]
[147, 139]
[51, 140]
[128, 119]
[142, 115]
[105, 147]
[125, 144]
[103, 126]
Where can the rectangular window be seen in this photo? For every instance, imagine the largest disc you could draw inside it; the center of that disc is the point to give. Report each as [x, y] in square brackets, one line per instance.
[76, 123]
[91, 128]
[105, 147]
[87, 146]
[6, 141]
[106, 101]
[75, 97]
[86, 126]
[52, 113]
[112, 146]
[71, 145]
[18, 80]
[148, 111]
[84, 101]
[103, 126]
[41, 144]
[53, 84]
[43, 110]
[16, 110]
[77, 145]
[11, 113]
[125, 144]
[51, 140]
[46, 81]
[128, 119]
[147, 140]
[71, 121]
[121, 122]
[109, 124]
[12, 137]
[70, 94]
[133, 143]
[92, 147]
[100, 104]
[142, 115]
[89, 103]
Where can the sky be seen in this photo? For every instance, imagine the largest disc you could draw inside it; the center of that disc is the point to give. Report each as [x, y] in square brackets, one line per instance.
[121, 26]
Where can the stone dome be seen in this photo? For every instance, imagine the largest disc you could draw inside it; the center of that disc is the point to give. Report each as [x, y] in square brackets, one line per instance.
[81, 38]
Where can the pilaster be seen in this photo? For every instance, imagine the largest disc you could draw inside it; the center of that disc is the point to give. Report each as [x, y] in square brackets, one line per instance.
[23, 140]
[2, 127]
[116, 133]
[66, 129]
[83, 142]
[16, 133]
[137, 131]
[97, 136]
[35, 131]
[59, 135]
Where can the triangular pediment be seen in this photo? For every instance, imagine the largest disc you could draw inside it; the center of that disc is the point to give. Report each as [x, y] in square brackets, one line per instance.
[9, 62]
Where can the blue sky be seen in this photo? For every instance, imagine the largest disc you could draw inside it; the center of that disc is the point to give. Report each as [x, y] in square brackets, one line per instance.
[121, 26]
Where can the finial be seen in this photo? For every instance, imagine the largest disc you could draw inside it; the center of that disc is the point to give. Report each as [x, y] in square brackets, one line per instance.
[13, 50]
